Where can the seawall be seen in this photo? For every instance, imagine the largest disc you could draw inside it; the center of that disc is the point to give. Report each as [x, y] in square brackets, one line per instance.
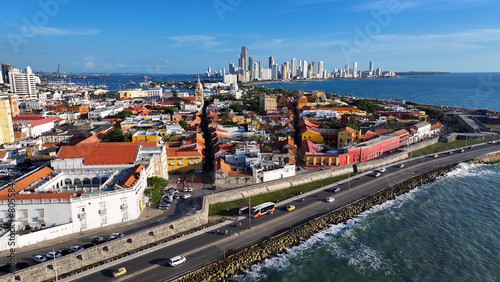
[223, 270]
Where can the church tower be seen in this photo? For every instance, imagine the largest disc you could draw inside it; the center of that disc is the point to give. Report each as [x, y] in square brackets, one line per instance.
[198, 92]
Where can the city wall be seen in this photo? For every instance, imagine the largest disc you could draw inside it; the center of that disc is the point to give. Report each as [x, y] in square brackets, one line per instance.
[110, 250]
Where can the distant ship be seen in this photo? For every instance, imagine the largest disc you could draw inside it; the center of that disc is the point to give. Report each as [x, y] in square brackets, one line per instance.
[147, 77]
[132, 83]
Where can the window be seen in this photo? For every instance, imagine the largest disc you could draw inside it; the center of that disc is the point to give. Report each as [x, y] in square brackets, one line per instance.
[197, 161]
[180, 162]
[172, 162]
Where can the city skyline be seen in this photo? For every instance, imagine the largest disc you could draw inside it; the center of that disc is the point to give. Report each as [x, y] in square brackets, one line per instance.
[454, 36]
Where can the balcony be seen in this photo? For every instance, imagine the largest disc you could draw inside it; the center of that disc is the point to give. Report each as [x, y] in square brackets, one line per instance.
[124, 206]
[82, 215]
[41, 218]
[103, 212]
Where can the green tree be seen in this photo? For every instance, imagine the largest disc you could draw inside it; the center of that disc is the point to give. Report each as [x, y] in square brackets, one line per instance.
[192, 174]
[235, 107]
[266, 149]
[124, 114]
[116, 135]
[169, 110]
[184, 124]
[156, 186]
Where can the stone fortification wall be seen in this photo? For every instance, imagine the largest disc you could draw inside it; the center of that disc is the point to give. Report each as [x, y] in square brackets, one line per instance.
[223, 270]
[488, 159]
[377, 163]
[421, 145]
[111, 250]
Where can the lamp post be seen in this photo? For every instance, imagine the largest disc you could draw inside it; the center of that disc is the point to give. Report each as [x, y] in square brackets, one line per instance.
[249, 213]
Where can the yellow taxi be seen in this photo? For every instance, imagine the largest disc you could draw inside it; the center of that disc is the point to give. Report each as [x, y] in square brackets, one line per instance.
[435, 156]
[119, 272]
[290, 208]
[401, 165]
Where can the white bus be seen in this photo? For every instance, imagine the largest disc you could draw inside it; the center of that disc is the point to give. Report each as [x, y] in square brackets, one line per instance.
[263, 209]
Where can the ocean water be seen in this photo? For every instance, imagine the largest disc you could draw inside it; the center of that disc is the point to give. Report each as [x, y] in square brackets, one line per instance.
[448, 230]
[462, 90]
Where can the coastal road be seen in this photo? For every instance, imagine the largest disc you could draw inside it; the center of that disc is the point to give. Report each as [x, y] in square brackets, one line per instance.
[205, 247]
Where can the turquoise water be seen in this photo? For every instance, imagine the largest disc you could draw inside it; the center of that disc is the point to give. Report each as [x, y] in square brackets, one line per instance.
[462, 90]
[448, 230]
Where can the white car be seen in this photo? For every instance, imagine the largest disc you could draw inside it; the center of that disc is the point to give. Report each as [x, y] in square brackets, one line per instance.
[177, 260]
[382, 169]
[186, 196]
[39, 258]
[376, 174]
[330, 199]
[115, 236]
[53, 255]
[76, 249]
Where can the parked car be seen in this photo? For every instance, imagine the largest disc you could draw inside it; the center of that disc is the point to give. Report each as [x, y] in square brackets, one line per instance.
[172, 191]
[39, 258]
[88, 245]
[76, 248]
[64, 251]
[115, 236]
[119, 272]
[330, 199]
[177, 260]
[53, 255]
[186, 196]
[290, 207]
[164, 206]
[22, 264]
[97, 239]
[382, 169]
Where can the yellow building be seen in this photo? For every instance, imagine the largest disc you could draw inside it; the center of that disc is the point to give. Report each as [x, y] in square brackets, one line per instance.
[144, 136]
[313, 135]
[347, 136]
[302, 101]
[6, 128]
[183, 160]
[268, 103]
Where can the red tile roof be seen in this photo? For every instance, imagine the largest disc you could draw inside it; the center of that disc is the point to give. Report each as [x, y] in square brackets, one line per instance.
[113, 153]
[41, 121]
[132, 177]
[28, 180]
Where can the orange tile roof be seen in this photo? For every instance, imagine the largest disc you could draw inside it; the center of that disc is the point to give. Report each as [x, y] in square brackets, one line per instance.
[435, 126]
[113, 153]
[180, 152]
[132, 177]
[96, 138]
[28, 180]
[40, 196]
[221, 165]
[401, 132]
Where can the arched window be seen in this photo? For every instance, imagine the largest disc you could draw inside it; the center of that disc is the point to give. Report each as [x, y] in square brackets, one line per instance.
[86, 182]
[96, 181]
[67, 181]
[77, 182]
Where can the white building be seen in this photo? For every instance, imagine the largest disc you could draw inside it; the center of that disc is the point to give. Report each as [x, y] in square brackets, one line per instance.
[155, 93]
[23, 84]
[88, 186]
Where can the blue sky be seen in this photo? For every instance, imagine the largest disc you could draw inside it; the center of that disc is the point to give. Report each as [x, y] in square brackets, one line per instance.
[189, 36]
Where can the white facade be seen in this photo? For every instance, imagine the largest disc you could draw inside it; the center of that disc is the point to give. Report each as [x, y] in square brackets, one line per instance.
[104, 112]
[23, 84]
[35, 131]
[286, 171]
[155, 93]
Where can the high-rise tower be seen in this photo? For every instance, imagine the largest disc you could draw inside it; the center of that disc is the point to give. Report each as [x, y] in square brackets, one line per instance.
[244, 58]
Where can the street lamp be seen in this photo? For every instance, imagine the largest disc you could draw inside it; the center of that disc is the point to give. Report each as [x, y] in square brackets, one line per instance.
[249, 213]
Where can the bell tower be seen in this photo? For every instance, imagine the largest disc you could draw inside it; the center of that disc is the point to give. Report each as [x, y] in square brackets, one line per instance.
[198, 92]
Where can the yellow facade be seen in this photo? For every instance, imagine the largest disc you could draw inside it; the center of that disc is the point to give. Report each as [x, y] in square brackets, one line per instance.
[313, 136]
[347, 136]
[148, 137]
[6, 128]
[302, 101]
[183, 164]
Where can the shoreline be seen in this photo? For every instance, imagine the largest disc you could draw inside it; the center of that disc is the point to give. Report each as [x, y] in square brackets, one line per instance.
[242, 260]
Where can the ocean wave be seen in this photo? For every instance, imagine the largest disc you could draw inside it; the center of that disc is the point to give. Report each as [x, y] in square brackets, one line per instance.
[470, 169]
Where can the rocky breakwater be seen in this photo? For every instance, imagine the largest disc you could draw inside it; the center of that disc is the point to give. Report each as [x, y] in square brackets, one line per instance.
[223, 270]
[488, 159]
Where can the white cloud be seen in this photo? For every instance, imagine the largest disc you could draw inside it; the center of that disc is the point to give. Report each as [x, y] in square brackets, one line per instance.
[51, 31]
[89, 62]
[189, 40]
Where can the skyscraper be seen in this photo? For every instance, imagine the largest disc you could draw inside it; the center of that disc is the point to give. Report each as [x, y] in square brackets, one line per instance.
[320, 69]
[354, 69]
[371, 69]
[271, 62]
[244, 64]
[5, 72]
[251, 68]
[23, 84]
[293, 67]
[347, 70]
[304, 69]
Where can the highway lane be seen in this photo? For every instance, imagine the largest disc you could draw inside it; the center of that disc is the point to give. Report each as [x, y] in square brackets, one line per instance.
[207, 246]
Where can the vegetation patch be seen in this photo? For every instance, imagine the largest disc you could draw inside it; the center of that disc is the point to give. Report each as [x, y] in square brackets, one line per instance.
[231, 208]
[438, 147]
